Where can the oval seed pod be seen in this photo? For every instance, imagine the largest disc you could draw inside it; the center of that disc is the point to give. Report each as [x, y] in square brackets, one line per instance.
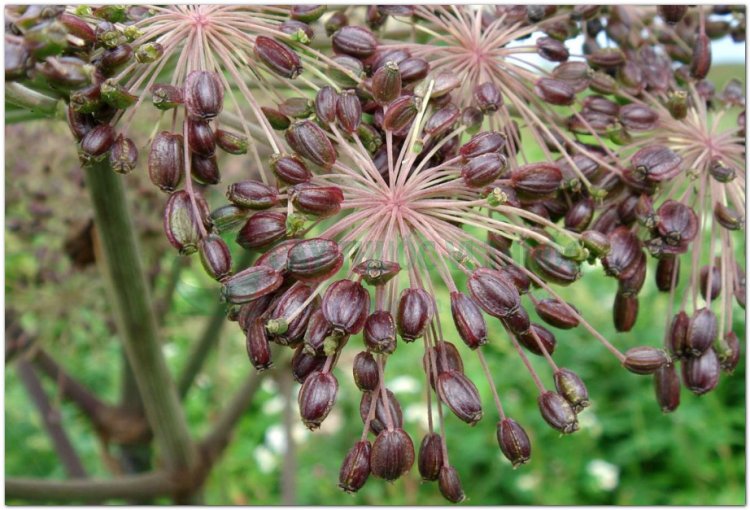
[316, 398]
[536, 179]
[701, 332]
[253, 195]
[715, 277]
[356, 467]
[353, 40]
[166, 161]
[346, 305]
[493, 292]
[638, 117]
[231, 143]
[549, 264]
[415, 311]
[290, 169]
[380, 420]
[262, 229]
[380, 332]
[483, 170]
[311, 142]
[258, 347]
[700, 64]
[557, 314]
[645, 360]
[469, 321]
[123, 155]
[376, 272]
[623, 253]
[487, 97]
[442, 120]
[318, 330]
[529, 340]
[201, 137]
[279, 58]
[392, 454]
[215, 257]
[513, 441]
[430, 458]
[729, 352]
[625, 311]
[413, 69]
[277, 256]
[555, 92]
[728, 217]
[677, 337]
[97, 142]
[166, 97]
[304, 364]
[386, 83]
[275, 118]
[676, 223]
[204, 169]
[204, 95]
[321, 201]
[667, 269]
[572, 388]
[655, 163]
[348, 111]
[337, 20]
[314, 260]
[180, 224]
[579, 216]
[450, 485]
[325, 104]
[460, 395]
[250, 284]
[517, 321]
[482, 143]
[667, 387]
[365, 370]
[557, 412]
[400, 113]
[701, 374]
[552, 49]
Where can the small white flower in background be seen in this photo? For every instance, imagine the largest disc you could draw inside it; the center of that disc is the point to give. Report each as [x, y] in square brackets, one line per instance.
[590, 423]
[528, 482]
[274, 405]
[417, 413]
[265, 459]
[606, 475]
[404, 384]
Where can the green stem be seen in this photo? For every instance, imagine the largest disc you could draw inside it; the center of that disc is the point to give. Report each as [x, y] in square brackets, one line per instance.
[29, 99]
[136, 321]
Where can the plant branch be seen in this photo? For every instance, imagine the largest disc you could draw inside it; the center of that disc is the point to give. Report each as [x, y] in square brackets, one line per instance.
[52, 421]
[145, 486]
[136, 321]
[29, 99]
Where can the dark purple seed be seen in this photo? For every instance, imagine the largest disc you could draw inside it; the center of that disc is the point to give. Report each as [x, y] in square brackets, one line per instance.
[380, 332]
[325, 104]
[625, 311]
[166, 161]
[346, 305]
[579, 216]
[536, 179]
[365, 371]
[450, 485]
[205, 169]
[279, 58]
[204, 95]
[557, 314]
[555, 92]
[538, 332]
[715, 277]
[356, 41]
[701, 375]
[552, 49]
[460, 395]
[415, 311]
[262, 229]
[493, 292]
[304, 364]
[180, 224]
[356, 467]
[557, 412]
[487, 97]
[392, 454]
[386, 83]
[215, 257]
[250, 284]
[349, 111]
[667, 387]
[258, 347]
[321, 201]
[311, 142]
[313, 260]
[729, 352]
[430, 458]
[380, 420]
[123, 155]
[413, 69]
[638, 117]
[253, 195]
[290, 170]
[551, 266]
[701, 332]
[97, 142]
[469, 321]
[483, 143]
[400, 113]
[700, 64]
[377, 272]
[518, 321]
[513, 441]
[316, 398]
[483, 170]
[442, 120]
[645, 360]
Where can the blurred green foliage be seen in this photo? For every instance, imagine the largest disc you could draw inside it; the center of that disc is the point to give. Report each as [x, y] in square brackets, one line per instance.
[626, 453]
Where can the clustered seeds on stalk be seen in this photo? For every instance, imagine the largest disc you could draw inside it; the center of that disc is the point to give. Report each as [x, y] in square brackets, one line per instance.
[382, 139]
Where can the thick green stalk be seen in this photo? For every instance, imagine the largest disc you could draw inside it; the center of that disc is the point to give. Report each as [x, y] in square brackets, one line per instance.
[132, 304]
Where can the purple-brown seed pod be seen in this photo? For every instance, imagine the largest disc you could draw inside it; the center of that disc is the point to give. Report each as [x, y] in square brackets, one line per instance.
[654, 163]
[624, 250]
[201, 137]
[380, 420]
[386, 83]
[321, 201]
[460, 395]
[97, 142]
[356, 467]
[380, 332]
[701, 375]
[415, 311]
[579, 216]
[123, 155]
[275, 118]
[552, 49]
[365, 371]
[557, 412]
[279, 58]
[518, 321]
[277, 256]
[290, 169]
[215, 257]
[400, 113]
[551, 266]
[430, 457]
[325, 104]
[555, 92]
[318, 329]
[715, 277]
[729, 352]
[513, 441]
[288, 320]
[556, 313]
[483, 170]
[493, 292]
[311, 142]
[253, 195]
[346, 305]
[487, 97]
[314, 260]
[450, 485]
[353, 40]
[645, 360]
[205, 169]
[638, 117]
[204, 95]
[166, 161]
[624, 311]
[469, 321]
[392, 454]
[667, 268]
[529, 340]
[677, 335]
[348, 111]
[483, 143]
[250, 284]
[667, 387]
[701, 332]
[166, 97]
[376, 272]
[700, 64]
[413, 69]
[180, 224]
[262, 229]
[442, 120]
[257, 345]
[304, 364]
[298, 30]
[316, 398]
[536, 179]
